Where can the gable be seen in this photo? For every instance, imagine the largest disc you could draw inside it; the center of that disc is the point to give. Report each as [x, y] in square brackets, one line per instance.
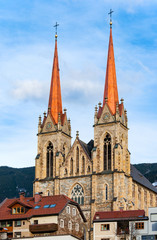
[106, 115]
[48, 125]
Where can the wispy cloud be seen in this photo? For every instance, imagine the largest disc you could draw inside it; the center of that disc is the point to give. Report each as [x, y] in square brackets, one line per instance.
[26, 55]
[29, 89]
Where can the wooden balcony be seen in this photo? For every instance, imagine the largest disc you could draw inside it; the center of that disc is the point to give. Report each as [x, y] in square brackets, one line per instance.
[43, 228]
[6, 229]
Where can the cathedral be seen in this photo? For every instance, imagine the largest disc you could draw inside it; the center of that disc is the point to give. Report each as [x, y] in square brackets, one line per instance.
[98, 175]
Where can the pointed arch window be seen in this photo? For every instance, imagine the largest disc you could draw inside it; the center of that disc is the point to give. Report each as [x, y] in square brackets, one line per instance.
[107, 152]
[50, 160]
[77, 194]
[77, 160]
[106, 192]
[63, 152]
[83, 164]
[71, 166]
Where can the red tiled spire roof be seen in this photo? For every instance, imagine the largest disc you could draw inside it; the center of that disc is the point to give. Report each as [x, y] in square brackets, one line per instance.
[111, 90]
[55, 99]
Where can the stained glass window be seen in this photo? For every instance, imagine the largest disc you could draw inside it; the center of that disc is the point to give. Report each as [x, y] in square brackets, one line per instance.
[77, 194]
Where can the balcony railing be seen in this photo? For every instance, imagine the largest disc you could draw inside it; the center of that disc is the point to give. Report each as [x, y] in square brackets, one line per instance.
[43, 228]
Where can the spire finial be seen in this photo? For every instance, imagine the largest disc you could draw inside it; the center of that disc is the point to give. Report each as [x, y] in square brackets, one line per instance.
[110, 13]
[56, 25]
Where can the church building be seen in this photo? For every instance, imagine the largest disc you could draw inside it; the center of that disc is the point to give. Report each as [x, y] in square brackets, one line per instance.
[98, 175]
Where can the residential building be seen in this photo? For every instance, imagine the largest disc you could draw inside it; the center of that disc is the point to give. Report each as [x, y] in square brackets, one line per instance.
[150, 232]
[119, 225]
[41, 216]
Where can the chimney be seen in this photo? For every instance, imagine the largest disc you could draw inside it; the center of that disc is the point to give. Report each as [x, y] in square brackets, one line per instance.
[37, 197]
[22, 196]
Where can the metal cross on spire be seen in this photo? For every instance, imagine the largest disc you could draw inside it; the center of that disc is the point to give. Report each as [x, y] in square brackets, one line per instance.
[56, 25]
[110, 13]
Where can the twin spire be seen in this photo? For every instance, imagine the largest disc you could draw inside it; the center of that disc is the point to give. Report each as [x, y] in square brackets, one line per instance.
[55, 98]
[110, 91]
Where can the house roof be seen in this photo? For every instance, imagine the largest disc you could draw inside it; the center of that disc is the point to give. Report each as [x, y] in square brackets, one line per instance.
[119, 215]
[59, 202]
[139, 178]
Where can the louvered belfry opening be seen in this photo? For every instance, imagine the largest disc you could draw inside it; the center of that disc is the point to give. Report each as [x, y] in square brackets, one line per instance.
[107, 152]
[50, 160]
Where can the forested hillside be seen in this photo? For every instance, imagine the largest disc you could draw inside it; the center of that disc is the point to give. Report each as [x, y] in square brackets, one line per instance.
[12, 180]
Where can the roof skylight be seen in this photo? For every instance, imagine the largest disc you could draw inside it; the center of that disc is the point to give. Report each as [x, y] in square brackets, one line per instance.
[37, 207]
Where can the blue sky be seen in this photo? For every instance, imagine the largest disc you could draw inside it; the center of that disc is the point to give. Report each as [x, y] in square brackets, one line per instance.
[26, 56]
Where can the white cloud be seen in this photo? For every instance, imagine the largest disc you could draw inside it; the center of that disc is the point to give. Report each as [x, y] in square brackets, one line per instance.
[29, 89]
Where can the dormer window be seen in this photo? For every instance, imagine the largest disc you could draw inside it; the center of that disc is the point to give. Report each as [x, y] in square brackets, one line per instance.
[18, 210]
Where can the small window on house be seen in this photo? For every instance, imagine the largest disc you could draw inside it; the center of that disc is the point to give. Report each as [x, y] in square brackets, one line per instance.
[77, 227]
[36, 207]
[139, 225]
[17, 234]
[9, 223]
[22, 209]
[74, 211]
[18, 223]
[62, 223]
[3, 224]
[52, 205]
[46, 206]
[35, 221]
[23, 222]
[48, 193]
[18, 210]
[68, 209]
[153, 217]
[70, 225]
[14, 210]
[105, 227]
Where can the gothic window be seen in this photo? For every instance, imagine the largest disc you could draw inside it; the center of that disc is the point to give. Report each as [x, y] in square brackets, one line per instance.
[71, 166]
[77, 160]
[107, 152]
[64, 152]
[106, 192]
[88, 169]
[77, 194]
[50, 160]
[65, 171]
[83, 164]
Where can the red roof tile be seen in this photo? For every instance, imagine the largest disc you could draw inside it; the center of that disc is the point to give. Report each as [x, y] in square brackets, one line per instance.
[130, 214]
[60, 200]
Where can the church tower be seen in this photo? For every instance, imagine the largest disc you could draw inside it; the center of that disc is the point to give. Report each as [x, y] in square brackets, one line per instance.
[111, 157]
[54, 136]
[110, 123]
[98, 175]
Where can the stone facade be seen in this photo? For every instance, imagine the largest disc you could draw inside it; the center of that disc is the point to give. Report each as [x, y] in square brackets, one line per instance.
[97, 175]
